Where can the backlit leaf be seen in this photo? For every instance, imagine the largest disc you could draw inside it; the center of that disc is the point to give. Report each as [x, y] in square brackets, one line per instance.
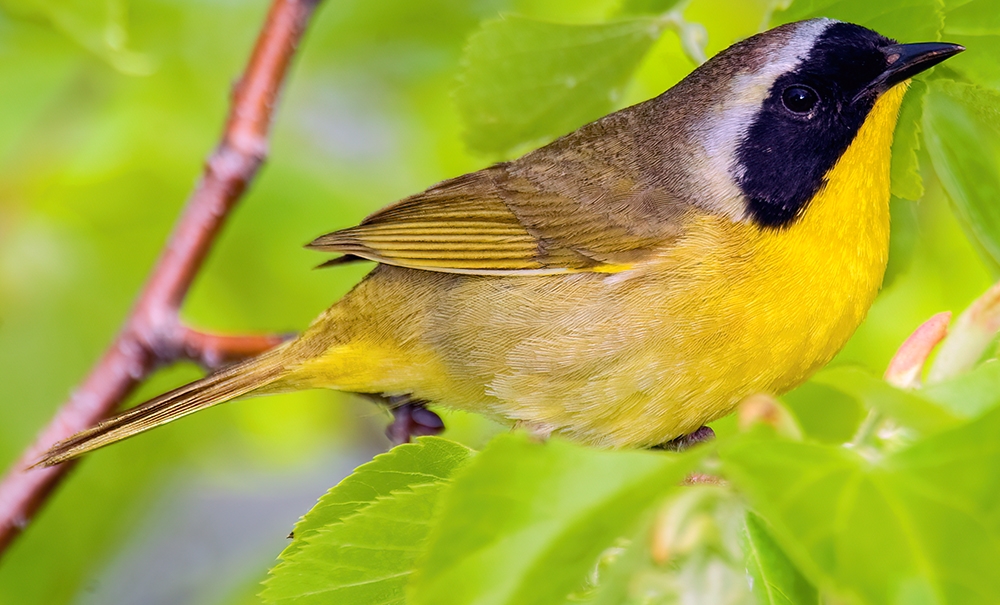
[976, 25]
[524, 522]
[428, 460]
[906, 180]
[920, 525]
[525, 80]
[962, 130]
[364, 560]
[359, 544]
[906, 20]
[647, 7]
[776, 581]
[968, 394]
[907, 407]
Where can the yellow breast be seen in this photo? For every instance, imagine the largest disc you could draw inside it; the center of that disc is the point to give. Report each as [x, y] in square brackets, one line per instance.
[812, 283]
[771, 306]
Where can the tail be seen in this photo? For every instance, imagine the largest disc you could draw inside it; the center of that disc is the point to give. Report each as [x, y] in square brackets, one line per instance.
[226, 384]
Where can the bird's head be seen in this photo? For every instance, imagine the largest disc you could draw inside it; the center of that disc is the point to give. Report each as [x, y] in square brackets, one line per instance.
[776, 111]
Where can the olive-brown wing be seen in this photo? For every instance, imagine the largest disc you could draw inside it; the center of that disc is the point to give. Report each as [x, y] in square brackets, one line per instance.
[499, 222]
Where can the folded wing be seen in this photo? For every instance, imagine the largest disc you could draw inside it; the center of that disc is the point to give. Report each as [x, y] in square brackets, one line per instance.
[502, 221]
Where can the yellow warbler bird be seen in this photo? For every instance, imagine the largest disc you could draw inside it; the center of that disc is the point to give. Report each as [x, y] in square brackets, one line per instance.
[631, 281]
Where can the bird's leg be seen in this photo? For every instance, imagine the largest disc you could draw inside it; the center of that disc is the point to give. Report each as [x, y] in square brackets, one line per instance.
[411, 419]
[688, 441]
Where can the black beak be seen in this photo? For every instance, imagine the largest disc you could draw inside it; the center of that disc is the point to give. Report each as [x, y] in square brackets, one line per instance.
[907, 60]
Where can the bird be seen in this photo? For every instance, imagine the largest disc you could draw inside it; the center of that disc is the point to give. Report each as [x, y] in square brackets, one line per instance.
[629, 282]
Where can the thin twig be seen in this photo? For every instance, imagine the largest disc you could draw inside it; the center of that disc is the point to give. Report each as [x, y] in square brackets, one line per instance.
[153, 333]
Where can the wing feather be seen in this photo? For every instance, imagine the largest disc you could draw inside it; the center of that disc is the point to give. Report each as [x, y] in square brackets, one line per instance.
[502, 221]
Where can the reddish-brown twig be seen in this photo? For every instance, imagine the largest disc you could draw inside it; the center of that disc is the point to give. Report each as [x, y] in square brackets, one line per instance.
[153, 333]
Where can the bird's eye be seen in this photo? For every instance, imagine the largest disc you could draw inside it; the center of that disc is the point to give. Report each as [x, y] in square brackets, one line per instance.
[799, 98]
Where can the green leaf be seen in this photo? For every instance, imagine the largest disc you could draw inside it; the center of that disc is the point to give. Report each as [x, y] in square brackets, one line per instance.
[906, 180]
[525, 80]
[968, 394]
[99, 27]
[921, 525]
[776, 581]
[617, 579]
[524, 522]
[824, 412]
[691, 550]
[366, 559]
[904, 238]
[905, 20]
[360, 542]
[976, 25]
[647, 7]
[427, 460]
[907, 407]
[962, 126]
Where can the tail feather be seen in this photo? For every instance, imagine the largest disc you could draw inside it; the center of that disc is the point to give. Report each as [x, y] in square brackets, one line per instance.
[220, 387]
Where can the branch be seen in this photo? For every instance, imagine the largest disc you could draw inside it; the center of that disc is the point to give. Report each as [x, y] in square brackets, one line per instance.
[153, 333]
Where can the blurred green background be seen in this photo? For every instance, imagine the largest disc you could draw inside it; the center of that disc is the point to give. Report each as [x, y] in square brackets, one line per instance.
[107, 111]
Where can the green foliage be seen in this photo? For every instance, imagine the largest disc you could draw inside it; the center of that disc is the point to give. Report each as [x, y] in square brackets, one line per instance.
[647, 7]
[963, 131]
[523, 79]
[975, 24]
[908, 407]
[905, 20]
[365, 559]
[553, 509]
[907, 183]
[359, 544]
[99, 27]
[968, 395]
[776, 581]
[919, 525]
[429, 460]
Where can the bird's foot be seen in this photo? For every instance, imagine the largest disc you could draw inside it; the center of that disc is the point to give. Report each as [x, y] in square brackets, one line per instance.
[412, 419]
[688, 441]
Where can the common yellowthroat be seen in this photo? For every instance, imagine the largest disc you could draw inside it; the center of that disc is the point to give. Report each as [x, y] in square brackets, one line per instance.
[631, 281]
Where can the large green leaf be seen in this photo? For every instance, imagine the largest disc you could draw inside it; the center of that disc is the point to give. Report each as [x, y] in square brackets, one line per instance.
[647, 7]
[359, 544]
[968, 394]
[906, 180]
[907, 407]
[692, 549]
[976, 25]
[525, 80]
[920, 525]
[428, 460]
[905, 20]
[904, 237]
[824, 412]
[100, 27]
[365, 560]
[524, 521]
[776, 581]
[962, 130]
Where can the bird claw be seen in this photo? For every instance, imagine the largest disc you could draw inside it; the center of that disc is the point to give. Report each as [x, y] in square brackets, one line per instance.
[412, 419]
[688, 441]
